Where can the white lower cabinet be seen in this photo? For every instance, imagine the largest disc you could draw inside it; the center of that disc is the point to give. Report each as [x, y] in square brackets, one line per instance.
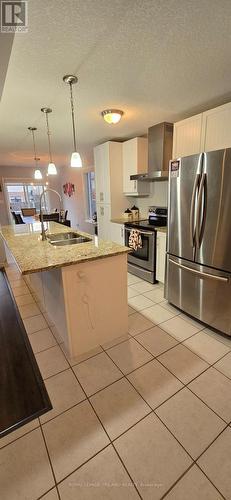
[160, 256]
[117, 233]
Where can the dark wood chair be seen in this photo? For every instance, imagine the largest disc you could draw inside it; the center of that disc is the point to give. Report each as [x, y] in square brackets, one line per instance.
[17, 218]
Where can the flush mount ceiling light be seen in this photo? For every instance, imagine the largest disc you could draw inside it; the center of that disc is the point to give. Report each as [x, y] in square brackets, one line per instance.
[76, 161]
[112, 116]
[37, 172]
[51, 166]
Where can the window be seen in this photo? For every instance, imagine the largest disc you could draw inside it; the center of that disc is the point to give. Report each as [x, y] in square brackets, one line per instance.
[24, 196]
[90, 194]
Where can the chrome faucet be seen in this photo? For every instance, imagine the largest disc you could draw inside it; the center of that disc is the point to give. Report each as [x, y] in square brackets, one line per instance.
[43, 233]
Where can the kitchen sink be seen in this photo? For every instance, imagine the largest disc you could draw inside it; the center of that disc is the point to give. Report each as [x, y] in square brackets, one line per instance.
[71, 238]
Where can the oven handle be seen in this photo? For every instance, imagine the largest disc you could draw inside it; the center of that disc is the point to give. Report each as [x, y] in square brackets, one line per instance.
[146, 233]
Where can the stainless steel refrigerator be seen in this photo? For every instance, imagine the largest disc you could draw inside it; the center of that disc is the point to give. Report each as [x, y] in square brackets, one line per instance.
[198, 272]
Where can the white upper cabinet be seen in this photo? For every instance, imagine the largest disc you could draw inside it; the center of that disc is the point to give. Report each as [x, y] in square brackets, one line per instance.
[187, 136]
[135, 161]
[204, 132]
[216, 128]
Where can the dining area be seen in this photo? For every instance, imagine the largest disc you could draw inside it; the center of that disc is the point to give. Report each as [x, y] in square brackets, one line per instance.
[29, 215]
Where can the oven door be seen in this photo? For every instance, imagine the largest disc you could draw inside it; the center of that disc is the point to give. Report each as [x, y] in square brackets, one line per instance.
[143, 257]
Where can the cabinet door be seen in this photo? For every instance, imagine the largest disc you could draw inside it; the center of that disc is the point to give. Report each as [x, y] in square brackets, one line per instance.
[187, 136]
[129, 165]
[103, 220]
[216, 128]
[135, 161]
[117, 233]
[160, 256]
[102, 173]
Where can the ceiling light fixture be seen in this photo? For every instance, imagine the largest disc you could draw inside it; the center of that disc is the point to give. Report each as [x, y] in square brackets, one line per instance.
[76, 161]
[112, 116]
[37, 172]
[51, 166]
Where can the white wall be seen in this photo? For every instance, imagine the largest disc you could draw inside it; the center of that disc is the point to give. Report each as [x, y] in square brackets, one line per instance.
[76, 204]
[26, 173]
[158, 196]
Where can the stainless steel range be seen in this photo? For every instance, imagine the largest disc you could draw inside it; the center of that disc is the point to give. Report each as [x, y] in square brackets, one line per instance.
[142, 262]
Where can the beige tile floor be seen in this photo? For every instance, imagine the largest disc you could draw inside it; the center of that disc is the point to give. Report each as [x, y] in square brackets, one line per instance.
[145, 416]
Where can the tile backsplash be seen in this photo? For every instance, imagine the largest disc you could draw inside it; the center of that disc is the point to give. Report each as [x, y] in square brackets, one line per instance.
[158, 196]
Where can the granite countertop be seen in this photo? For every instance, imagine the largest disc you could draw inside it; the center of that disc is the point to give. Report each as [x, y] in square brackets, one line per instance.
[122, 220]
[33, 255]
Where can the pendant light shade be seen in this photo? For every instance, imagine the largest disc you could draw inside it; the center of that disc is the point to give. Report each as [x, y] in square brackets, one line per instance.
[52, 170]
[51, 166]
[76, 161]
[37, 172]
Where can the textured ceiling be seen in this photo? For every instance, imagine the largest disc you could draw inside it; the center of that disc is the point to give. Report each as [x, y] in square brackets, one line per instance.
[154, 59]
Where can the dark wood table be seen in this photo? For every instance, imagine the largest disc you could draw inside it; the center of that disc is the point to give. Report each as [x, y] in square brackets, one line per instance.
[23, 395]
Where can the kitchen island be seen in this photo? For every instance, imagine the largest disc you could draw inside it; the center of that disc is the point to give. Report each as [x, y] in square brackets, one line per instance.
[82, 288]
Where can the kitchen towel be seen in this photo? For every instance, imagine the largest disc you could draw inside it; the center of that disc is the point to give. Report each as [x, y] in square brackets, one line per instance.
[135, 240]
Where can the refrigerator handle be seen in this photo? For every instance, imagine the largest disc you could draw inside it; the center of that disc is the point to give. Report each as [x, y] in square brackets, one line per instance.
[192, 210]
[200, 219]
[199, 273]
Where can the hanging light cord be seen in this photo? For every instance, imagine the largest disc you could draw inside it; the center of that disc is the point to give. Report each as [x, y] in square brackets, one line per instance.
[73, 117]
[49, 140]
[35, 155]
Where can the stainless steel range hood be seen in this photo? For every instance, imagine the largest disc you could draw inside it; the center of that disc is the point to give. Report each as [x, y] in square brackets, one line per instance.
[160, 139]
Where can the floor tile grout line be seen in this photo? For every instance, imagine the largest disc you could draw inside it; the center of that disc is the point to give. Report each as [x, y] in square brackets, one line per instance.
[205, 326]
[19, 437]
[49, 458]
[181, 342]
[203, 472]
[186, 385]
[181, 477]
[100, 390]
[110, 441]
[154, 411]
[49, 491]
[227, 425]
[178, 480]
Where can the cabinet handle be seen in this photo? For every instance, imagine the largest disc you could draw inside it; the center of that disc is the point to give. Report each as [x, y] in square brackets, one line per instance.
[101, 196]
[135, 185]
[81, 274]
[101, 211]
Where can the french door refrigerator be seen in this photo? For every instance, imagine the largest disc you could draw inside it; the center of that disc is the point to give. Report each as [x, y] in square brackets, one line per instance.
[198, 276]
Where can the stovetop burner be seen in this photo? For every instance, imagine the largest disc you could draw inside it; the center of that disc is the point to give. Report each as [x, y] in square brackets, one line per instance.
[146, 224]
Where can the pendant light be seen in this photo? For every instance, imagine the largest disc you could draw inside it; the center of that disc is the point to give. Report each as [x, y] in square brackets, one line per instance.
[51, 166]
[76, 161]
[37, 172]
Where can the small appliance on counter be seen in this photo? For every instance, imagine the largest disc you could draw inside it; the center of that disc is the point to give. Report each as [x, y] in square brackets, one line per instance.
[135, 212]
[127, 215]
[142, 262]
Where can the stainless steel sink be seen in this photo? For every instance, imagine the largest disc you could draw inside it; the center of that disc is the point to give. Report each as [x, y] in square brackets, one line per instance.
[70, 238]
